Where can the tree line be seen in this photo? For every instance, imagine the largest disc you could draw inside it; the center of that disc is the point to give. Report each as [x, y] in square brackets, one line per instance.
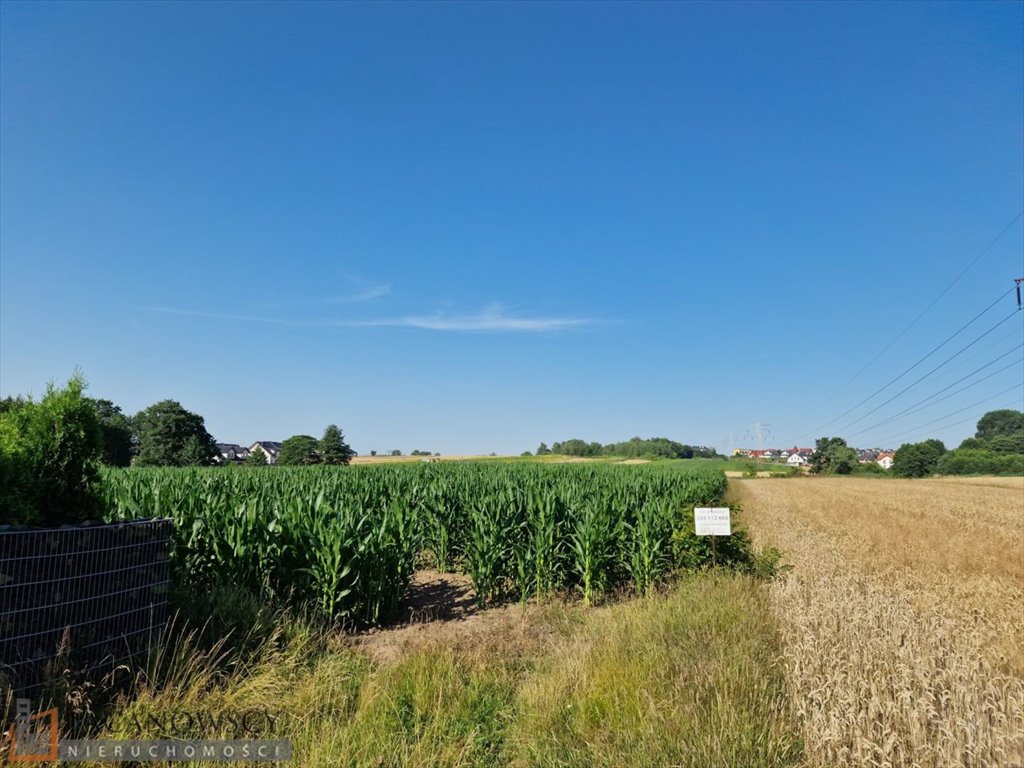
[997, 448]
[163, 435]
[636, 447]
[51, 450]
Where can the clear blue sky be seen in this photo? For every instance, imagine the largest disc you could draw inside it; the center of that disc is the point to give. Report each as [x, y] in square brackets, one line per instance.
[470, 227]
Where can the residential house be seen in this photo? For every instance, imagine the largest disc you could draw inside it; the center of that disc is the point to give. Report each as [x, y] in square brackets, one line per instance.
[884, 459]
[796, 460]
[270, 448]
[230, 452]
[867, 455]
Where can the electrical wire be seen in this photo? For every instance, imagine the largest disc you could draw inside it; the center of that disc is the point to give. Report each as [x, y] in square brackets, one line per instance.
[914, 408]
[892, 381]
[933, 370]
[915, 430]
[923, 312]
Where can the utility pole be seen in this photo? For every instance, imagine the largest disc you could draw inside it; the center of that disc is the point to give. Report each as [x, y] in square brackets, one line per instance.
[730, 440]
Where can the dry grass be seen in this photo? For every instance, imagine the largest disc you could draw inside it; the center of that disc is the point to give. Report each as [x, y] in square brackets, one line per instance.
[1016, 483]
[688, 677]
[425, 459]
[902, 617]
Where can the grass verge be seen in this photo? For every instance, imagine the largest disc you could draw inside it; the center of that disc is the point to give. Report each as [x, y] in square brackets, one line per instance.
[689, 677]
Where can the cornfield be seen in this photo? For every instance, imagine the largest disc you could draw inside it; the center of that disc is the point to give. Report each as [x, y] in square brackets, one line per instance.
[345, 541]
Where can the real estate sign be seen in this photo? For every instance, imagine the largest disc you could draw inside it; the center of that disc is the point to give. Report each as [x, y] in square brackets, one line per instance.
[712, 521]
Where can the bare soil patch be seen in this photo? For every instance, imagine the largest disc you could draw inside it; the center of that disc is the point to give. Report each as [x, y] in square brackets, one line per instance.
[441, 610]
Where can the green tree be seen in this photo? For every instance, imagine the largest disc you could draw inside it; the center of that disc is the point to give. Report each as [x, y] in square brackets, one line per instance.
[170, 436]
[973, 444]
[1007, 443]
[543, 450]
[577, 447]
[918, 459]
[333, 448]
[49, 458]
[299, 449]
[9, 403]
[832, 456]
[256, 458]
[1005, 422]
[118, 436]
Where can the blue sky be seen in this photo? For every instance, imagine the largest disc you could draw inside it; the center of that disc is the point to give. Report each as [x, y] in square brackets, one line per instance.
[473, 227]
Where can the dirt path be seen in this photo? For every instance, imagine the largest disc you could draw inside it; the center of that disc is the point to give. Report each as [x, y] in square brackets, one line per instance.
[441, 611]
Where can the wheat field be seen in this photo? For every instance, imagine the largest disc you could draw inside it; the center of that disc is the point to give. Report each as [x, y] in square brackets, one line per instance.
[901, 617]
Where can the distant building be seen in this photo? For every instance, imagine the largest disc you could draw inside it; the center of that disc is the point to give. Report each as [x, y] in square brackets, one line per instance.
[796, 460]
[271, 449]
[230, 452]
[884, 460]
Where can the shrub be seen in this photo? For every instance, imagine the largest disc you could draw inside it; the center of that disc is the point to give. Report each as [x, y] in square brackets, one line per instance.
[1007, 443]
[871, 468]
[966, 461]
[49, 458]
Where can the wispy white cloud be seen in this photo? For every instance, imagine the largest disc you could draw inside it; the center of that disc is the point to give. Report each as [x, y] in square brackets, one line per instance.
[494, 318]
[369, 293]
[365, 293]
[491, 318]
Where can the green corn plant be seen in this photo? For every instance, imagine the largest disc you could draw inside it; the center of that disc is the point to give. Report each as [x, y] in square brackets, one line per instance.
[485, 547]
[592, 540]
[344, 540]
[543, 534]
[649, 544]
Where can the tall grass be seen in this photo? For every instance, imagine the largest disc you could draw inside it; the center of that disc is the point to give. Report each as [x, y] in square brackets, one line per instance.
[687, 677]
[690, 678]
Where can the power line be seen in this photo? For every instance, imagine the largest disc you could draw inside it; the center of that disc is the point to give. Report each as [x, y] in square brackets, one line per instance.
[914, 408]
[985, 349]
[1015, 386]
[925, 311]
[946, 426]
[892, 381]
[933, 370]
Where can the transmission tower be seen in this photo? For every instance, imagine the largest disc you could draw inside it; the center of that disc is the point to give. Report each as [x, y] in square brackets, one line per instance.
[759, 432]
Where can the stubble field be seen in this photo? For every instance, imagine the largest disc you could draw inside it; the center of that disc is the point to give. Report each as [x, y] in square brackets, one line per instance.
[901, 619]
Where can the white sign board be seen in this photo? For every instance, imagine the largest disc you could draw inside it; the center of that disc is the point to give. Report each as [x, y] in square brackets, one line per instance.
[712, 521]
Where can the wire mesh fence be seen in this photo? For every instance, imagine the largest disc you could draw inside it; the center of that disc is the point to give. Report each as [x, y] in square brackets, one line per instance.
[80, 598]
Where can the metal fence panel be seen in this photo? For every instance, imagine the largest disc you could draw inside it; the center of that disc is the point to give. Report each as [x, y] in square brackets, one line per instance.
[90, 597]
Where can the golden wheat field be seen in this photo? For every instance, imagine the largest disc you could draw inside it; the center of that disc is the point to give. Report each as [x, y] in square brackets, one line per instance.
[902, 616]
